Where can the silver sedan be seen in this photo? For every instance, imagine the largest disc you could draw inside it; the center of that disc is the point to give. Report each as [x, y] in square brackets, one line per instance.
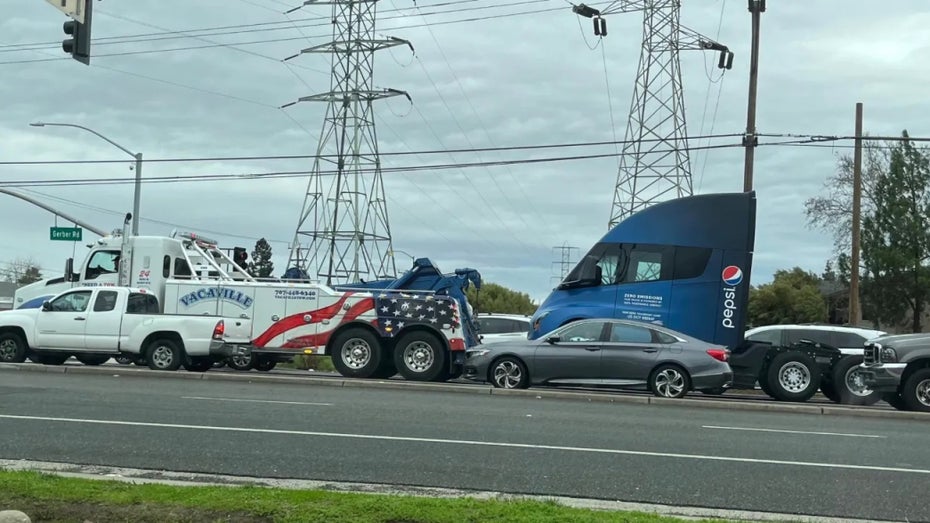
[609, 352]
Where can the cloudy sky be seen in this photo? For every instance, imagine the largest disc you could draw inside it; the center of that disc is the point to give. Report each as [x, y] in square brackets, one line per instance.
[484, 74]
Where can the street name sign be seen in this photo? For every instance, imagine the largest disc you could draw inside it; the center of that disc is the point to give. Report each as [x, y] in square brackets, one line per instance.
[72, 8]
[66, 234]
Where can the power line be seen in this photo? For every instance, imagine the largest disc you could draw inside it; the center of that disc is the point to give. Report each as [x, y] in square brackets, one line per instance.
[277, 40]
[325, 156]
[71, 182]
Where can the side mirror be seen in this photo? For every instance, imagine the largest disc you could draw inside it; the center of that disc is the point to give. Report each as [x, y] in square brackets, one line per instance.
[69, 269]
[46, 306]
[552, 340]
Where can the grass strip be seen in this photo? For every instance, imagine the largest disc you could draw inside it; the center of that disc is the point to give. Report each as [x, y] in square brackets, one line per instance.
[49, 497]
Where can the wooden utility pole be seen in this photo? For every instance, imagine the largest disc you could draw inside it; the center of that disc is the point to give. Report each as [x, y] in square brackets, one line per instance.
[750, 141]
[855, 313]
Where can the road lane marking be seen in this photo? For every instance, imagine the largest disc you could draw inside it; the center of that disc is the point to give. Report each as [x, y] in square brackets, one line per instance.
[412, 439]
[794, 431]
[256, 401]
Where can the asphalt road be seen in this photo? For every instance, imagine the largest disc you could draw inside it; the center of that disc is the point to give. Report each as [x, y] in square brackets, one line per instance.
[816, 465]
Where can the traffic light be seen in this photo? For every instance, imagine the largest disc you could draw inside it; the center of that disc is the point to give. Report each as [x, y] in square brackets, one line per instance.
[241, 257]
[79, 43]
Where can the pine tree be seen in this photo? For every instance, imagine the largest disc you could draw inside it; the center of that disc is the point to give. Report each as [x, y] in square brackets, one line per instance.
[261, 265]
[896, 238]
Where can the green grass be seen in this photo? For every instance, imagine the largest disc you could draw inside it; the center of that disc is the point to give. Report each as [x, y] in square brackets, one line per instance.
[304, 362]
[47, 497]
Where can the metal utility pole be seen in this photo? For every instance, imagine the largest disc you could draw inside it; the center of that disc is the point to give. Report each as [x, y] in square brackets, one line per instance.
[655, 163]
[137, 156]
[750, 140]
[855, 314]
[345, 215]
[563, 261]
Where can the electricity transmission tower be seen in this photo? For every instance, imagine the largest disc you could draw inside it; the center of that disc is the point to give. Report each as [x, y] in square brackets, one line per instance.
[654, 162]
[344, 213]
[563, 261]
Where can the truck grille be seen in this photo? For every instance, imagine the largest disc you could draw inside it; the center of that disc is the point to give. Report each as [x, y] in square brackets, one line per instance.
[872, 354]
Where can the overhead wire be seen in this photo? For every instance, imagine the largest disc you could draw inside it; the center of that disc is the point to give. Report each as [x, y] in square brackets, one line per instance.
[390, 153]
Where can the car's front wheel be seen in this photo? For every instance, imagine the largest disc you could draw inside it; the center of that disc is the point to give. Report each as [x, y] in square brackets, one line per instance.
[508, 373]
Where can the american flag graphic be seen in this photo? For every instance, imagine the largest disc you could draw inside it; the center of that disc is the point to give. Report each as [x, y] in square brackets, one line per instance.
[398, 310]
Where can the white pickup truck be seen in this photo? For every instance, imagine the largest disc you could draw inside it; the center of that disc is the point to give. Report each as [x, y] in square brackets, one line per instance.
[94, 324]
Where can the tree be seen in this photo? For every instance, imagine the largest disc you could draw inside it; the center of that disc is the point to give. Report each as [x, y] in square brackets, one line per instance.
[497, 298]
[22, 271]
[896, 237]
[261, 265]
[832, 212]
[792, 297]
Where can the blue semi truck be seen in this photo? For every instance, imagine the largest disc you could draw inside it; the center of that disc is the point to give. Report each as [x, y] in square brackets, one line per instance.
[686, 264]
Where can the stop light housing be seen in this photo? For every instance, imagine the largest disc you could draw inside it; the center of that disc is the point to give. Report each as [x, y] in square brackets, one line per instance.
[78, 46]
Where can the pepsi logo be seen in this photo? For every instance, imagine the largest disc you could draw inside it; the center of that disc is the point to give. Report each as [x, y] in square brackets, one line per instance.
[732, 275]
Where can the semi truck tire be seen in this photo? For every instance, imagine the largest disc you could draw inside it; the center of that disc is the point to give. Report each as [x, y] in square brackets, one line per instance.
[50, 358]
[848, 384]
[420, 356]
[356, 353]
[265, 364]
[122, 359]
[240, 362]
[198, 364]
[793, 376]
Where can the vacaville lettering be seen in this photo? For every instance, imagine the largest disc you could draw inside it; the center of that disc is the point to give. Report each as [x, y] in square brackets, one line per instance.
[212, 293]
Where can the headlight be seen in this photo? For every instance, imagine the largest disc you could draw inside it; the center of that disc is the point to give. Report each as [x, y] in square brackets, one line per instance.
[889, 355]
[476, 353]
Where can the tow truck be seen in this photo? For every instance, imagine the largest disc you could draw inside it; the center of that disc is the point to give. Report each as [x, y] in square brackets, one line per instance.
[418, 325]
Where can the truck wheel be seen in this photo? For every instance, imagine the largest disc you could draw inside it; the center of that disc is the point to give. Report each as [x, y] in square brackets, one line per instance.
[164, 354]
[793, 376]
[199, 364]
[849, 386]
[895, 400]
[828, 390]
[420, 356]
[916, 391]
[356, 353]
[241, 362]
[12, 348]
[51, 358]
[92, 359]
[669, 381]
[122, 359]
[265, 364]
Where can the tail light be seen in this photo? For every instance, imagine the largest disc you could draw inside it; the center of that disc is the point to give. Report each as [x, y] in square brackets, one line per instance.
[219, 330]
[719, 354]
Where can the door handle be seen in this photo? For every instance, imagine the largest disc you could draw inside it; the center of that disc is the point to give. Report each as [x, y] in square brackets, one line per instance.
[80, 318]
[650, 350]
[592, 349]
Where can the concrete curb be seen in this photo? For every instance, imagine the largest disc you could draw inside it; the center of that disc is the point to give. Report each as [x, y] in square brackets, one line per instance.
[590, 397]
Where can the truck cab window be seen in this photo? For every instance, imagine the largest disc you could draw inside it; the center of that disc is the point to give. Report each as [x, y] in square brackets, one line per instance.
[600, 266]
[648, 263]
[139, 303]
[71, 302]
[102, 262]
[105, 302]
[182, 270]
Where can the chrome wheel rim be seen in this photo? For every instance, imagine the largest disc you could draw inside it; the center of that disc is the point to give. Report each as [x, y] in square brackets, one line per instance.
[241, 360]
[419, 356]
[356, 353]
[794, 376]
[507, 375]
[923, 392]
[670, 383]
[855, 382]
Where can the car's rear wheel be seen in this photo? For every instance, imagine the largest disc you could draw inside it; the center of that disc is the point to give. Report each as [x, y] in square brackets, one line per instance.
[669, 381]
